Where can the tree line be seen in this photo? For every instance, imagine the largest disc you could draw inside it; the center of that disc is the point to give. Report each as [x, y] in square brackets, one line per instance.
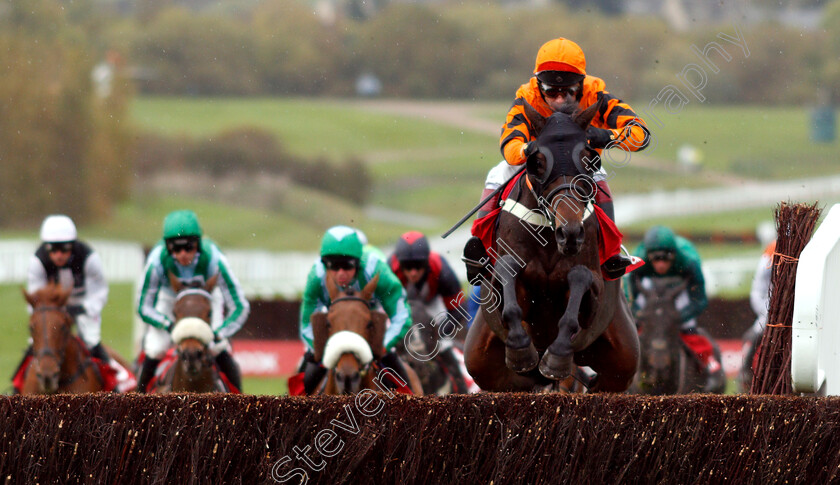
[463, 50]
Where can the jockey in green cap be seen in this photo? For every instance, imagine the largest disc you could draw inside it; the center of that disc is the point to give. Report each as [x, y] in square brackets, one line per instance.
[193, 260]
[352, 266]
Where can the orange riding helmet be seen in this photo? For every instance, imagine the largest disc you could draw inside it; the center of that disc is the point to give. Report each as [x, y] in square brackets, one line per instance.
[560, 62]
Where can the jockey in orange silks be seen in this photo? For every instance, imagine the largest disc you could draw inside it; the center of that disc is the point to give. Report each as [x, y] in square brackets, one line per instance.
[560, 78]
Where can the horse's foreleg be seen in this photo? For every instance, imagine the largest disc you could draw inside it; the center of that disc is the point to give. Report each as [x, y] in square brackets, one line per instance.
[558, 360]
[520, 353]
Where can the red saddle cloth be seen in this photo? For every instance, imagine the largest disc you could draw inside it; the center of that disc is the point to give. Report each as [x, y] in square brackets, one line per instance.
[107, 374]
[609, 237]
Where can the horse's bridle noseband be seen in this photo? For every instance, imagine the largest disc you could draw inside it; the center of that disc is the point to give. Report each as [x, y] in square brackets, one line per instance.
[60, 355]
[545, 204]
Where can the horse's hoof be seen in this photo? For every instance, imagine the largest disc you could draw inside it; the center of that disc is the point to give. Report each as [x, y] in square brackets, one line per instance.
[556, 366]
[521, 360]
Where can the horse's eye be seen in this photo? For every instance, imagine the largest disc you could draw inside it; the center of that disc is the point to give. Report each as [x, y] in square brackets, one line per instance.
[370, 325]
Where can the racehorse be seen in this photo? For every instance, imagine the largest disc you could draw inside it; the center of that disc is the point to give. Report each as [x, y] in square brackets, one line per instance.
[666, 367]
[193, 369]
[347, 340]
[432, 374]
[60, 363]
[546, 303]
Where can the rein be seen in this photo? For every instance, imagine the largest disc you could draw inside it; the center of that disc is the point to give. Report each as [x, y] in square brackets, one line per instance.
[84, 361]
[542, 215]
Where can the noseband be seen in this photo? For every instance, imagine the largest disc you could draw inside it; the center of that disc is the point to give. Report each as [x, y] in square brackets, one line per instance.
[59, 355]
[571, 189]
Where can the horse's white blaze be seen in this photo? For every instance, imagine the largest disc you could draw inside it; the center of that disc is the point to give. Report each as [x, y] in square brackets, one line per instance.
[192, 327]
[343, 342]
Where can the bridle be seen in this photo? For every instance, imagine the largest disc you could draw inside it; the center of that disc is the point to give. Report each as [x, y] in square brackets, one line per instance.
[60, 354]
[571, 189]
[363, 369]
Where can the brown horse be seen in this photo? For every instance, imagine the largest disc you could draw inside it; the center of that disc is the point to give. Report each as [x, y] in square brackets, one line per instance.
[547, 305]
[59, 364]
[348, 341]
[667, 365]
[193, 369]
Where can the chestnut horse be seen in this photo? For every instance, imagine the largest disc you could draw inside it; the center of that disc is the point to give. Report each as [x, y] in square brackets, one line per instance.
[60, 364]
[194, 369]
[547, 305]
[348, 341]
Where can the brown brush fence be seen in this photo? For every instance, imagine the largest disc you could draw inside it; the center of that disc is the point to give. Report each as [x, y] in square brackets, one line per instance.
[486, 438]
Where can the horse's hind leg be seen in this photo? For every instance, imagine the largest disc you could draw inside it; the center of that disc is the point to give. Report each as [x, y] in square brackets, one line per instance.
[558, 360]
[520, 353]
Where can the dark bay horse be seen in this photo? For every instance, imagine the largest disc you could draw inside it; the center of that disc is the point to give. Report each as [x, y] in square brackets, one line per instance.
[546, 306]
[60, 364]
[667, 365]
[348, 341]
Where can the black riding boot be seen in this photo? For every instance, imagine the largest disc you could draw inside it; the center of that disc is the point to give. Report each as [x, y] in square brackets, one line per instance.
[616, 266]
[100, 353]
[475, 259]
[391, 360]
[453, 368]
[230, 368]
[147, 372]
[313, 373]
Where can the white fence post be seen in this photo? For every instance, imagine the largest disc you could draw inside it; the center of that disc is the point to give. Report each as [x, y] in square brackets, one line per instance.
[815, 354]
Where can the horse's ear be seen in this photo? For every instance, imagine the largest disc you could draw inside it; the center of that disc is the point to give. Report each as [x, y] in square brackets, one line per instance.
[367, 291]
[584, 118]
[537, 166]
[174, 282]
[537, 120]
[377, 333]
[320, 334]
[30, 298]
[211, 283]
[332, 287]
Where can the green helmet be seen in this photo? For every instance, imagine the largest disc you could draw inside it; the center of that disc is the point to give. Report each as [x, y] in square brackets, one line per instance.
[341, 241]
[659, 238]
[183, 223]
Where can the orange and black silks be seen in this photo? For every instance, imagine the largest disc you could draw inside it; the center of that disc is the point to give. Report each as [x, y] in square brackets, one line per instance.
[629, 132]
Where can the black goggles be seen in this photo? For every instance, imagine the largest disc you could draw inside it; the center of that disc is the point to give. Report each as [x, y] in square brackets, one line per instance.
[412, 265]
[661, 256]
[178, 245]
[59, 247]
[555, 91]
[343, 263]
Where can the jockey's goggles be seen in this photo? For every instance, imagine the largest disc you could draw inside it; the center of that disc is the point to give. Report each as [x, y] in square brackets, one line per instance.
[413, 264]
[175, 246]
[59, 247]
[661, 256]
[555, 91]
[340, 263]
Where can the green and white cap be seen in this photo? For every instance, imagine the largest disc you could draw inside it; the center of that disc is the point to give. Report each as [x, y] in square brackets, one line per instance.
[341, 241]
[183, 223]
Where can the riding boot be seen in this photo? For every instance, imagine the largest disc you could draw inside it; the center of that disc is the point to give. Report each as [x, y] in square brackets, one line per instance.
[100, 353]
[392, 361]
[715, 377]
[475, 259]
[616, 265]
[453, 368]
[229, 368]
[313, 372]
[147, 373]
